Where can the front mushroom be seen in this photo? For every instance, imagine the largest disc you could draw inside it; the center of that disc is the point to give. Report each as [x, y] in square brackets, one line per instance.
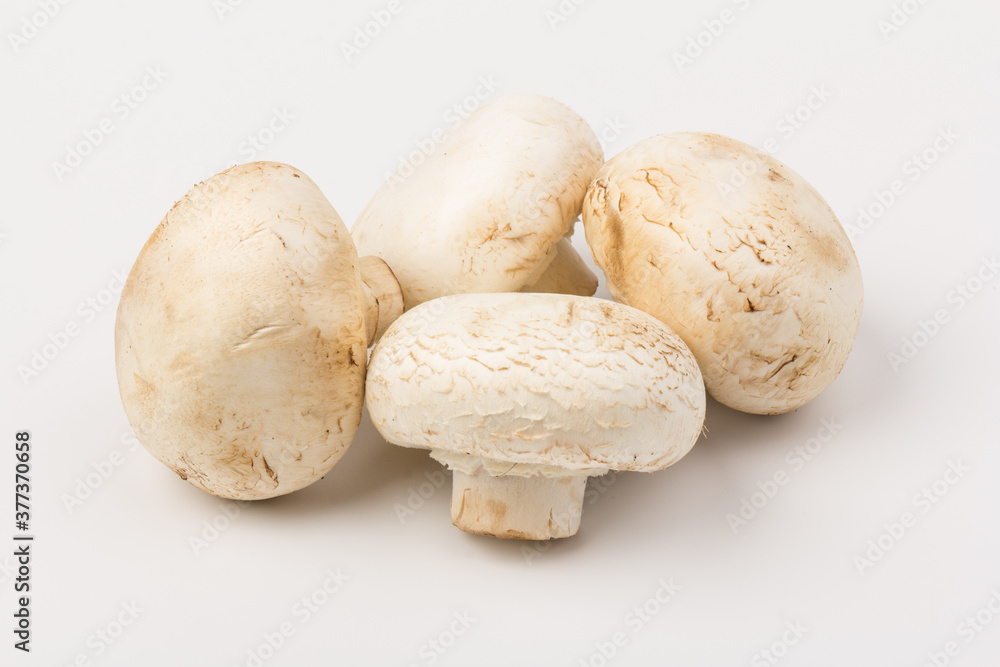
[524, 396]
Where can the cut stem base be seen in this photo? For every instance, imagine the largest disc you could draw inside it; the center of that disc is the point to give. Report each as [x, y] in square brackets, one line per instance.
[521, 508]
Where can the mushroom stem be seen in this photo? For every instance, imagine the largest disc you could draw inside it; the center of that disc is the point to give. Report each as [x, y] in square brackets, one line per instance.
[383, 296]
[513, 507]
[567, 273]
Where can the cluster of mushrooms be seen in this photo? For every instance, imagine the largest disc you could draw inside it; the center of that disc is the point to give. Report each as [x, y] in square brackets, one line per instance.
[243, 333]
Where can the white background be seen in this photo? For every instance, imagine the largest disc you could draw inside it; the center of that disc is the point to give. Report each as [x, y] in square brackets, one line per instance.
[888, 95]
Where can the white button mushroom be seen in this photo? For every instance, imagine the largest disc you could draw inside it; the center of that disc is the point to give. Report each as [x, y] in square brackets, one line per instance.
[242, 334]
[524, 396]
[736, 253]
[492, 208]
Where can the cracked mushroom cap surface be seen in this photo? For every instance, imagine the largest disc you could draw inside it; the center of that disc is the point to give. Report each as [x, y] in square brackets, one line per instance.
[739, 255]
[492, 205]
[240, 340]
[578, 383]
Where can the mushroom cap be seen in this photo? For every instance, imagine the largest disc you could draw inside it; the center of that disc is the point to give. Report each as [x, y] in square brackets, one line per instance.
[240, 341]
[486, 209]
[758, 277]
[547, 379]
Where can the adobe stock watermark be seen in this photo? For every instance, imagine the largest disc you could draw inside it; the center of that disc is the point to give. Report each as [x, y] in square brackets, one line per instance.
[899, 16]
[544, 196]
[101, 471]
[419, 495]
[213, 186]
[99, 641]
[202, 196]
[433, 649]
[957, 298]
[611, 131]
[254, 143]
[796, 459]
[562, 12]
[212, 529]
[250, 147]
[547, 190]
[32, 24]
[635, 620]
[121, 108]
[430, 312]
[786, 127]
[922, 502]
[712, 29]
[301, 612]
[224, 8]
[778, 649]
[966, 632]
[486, 86]
[597, 486]
[914, 168]
[86, 312]
[365, 33]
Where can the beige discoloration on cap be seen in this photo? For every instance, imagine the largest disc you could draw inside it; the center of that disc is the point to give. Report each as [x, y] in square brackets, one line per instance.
[241, 338]
[487, 209]
[758, 278]
[550, 385]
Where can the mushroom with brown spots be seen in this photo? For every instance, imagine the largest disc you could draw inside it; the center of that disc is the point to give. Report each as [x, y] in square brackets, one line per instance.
[491, 208]
[524, 396]
[739, 255]
[242, 334]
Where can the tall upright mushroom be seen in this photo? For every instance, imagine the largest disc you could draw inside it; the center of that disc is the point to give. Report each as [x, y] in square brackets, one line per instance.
[242, 333]
[524, 396]
[736, 253]
[492, 208]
